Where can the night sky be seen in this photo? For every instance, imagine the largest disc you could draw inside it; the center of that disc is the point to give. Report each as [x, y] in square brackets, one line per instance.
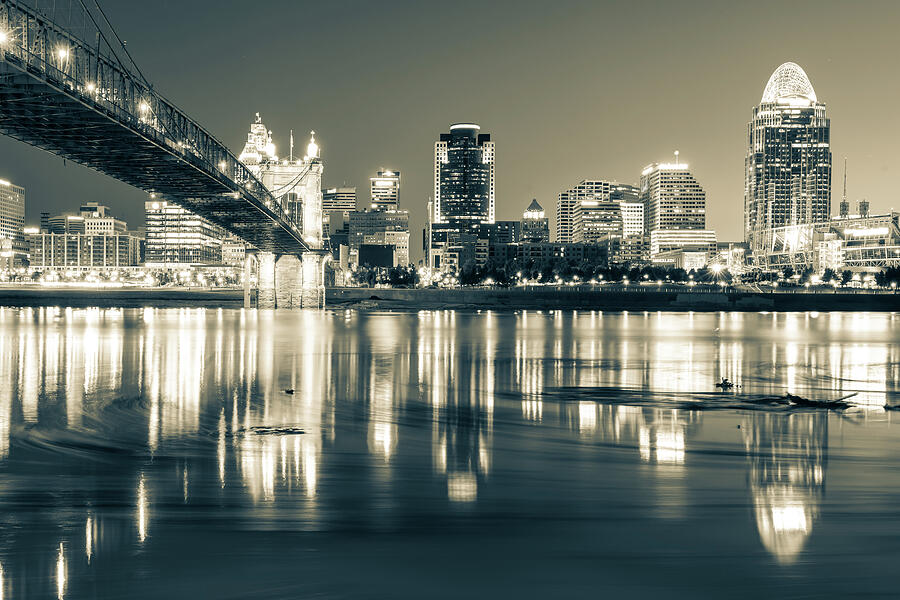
[568, 90]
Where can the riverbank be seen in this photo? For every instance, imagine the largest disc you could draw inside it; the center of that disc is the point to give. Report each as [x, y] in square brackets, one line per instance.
[121, 297]
[612, 298]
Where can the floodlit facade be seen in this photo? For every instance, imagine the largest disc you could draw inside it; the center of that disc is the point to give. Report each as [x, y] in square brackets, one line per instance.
[788, 163]
[12, 223]
[385, 190]
[176, 237]
[857, 243]
[666, 240]
[672, 197]
[296, 183]
[83, 250]
[91, 239]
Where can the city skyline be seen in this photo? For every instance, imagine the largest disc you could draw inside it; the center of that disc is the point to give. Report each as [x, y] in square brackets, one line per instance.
[548, 140]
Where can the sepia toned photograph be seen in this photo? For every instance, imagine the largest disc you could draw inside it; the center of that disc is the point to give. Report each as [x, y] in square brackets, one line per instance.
[410, 299]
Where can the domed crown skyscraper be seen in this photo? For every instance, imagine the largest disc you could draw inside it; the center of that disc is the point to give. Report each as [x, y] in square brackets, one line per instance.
[788, 163]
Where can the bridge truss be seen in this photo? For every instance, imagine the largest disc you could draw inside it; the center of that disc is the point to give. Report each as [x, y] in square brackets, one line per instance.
[75, 96]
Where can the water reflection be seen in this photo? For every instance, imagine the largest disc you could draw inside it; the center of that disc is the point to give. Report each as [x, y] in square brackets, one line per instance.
[126, 418]
[787, 459]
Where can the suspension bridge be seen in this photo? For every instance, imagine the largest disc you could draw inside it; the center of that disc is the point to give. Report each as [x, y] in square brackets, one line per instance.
[73, 90]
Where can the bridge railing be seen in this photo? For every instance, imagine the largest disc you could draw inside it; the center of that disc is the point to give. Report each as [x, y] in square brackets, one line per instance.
[92, 73]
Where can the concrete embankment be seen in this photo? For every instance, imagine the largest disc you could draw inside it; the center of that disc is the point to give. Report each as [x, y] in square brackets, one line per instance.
[607, 298]
[536, 298]
[120, 297]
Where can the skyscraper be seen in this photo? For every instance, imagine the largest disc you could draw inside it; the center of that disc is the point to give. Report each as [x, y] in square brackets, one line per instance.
[12, 220]
[672, 197]
[464, 194]
[464, 176]
[385, 190]
[788, 164]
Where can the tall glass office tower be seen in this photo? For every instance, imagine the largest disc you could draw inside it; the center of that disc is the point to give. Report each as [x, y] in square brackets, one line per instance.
[788, 164]
[464, 176]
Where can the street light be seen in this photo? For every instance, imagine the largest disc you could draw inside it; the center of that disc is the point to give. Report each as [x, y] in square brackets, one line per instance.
[4, 37]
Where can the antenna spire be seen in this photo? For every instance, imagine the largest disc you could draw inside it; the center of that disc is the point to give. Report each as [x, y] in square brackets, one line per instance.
[845, 179]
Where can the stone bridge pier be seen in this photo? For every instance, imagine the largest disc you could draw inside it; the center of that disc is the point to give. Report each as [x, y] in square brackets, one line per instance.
[287, 281]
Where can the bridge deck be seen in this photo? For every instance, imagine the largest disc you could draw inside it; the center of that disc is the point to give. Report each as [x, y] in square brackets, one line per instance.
[123, 129]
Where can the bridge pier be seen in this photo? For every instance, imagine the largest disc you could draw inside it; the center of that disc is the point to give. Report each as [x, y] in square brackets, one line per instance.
[265, 297]
[286, 281]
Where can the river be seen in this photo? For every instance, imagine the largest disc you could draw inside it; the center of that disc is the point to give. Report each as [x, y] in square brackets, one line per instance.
[219, 453]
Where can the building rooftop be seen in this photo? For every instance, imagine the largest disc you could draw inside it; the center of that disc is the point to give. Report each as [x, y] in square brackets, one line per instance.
[788, 81]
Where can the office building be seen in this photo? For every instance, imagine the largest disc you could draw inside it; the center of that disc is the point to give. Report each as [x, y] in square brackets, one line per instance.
[383, 224]
[595, 219]
[666, 240]
[396, 243]
[672, 197]
[464, 193]
[12, 223]
[385, 190]
[339, 199]
[83, 250]
[177, 237]
[569, 221]
[337, 204]
[535, 224]
[464, 176]
[788, 163]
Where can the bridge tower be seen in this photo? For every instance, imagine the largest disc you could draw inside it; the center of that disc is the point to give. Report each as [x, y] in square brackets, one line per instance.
[296, 183]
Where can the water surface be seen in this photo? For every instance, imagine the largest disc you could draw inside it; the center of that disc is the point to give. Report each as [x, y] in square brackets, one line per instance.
[149, 453]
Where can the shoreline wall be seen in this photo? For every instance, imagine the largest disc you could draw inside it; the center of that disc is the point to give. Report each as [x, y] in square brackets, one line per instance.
[677, 299]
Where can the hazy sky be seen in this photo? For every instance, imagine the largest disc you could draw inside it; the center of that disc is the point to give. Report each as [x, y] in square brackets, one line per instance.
[568, 90]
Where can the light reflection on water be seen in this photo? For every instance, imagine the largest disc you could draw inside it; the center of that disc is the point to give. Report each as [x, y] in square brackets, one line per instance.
[123, 432]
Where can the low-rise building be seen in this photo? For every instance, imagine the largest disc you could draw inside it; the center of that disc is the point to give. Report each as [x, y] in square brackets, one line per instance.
[82, 250]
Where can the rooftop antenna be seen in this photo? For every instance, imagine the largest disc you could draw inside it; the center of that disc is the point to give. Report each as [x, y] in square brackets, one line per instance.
[676, 157]
[292, 145]
[845, 180]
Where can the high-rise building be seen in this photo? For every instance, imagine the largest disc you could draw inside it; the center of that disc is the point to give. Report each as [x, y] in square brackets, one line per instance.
[535, 225]
[342, 198]
[569, 223]
[12, 221]
[632, 218]
[595, 220]
[176, 237]
[464, 193]
[672, 197]
[464, 176]
[788, 163]
[385, 190]
[337, 204]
